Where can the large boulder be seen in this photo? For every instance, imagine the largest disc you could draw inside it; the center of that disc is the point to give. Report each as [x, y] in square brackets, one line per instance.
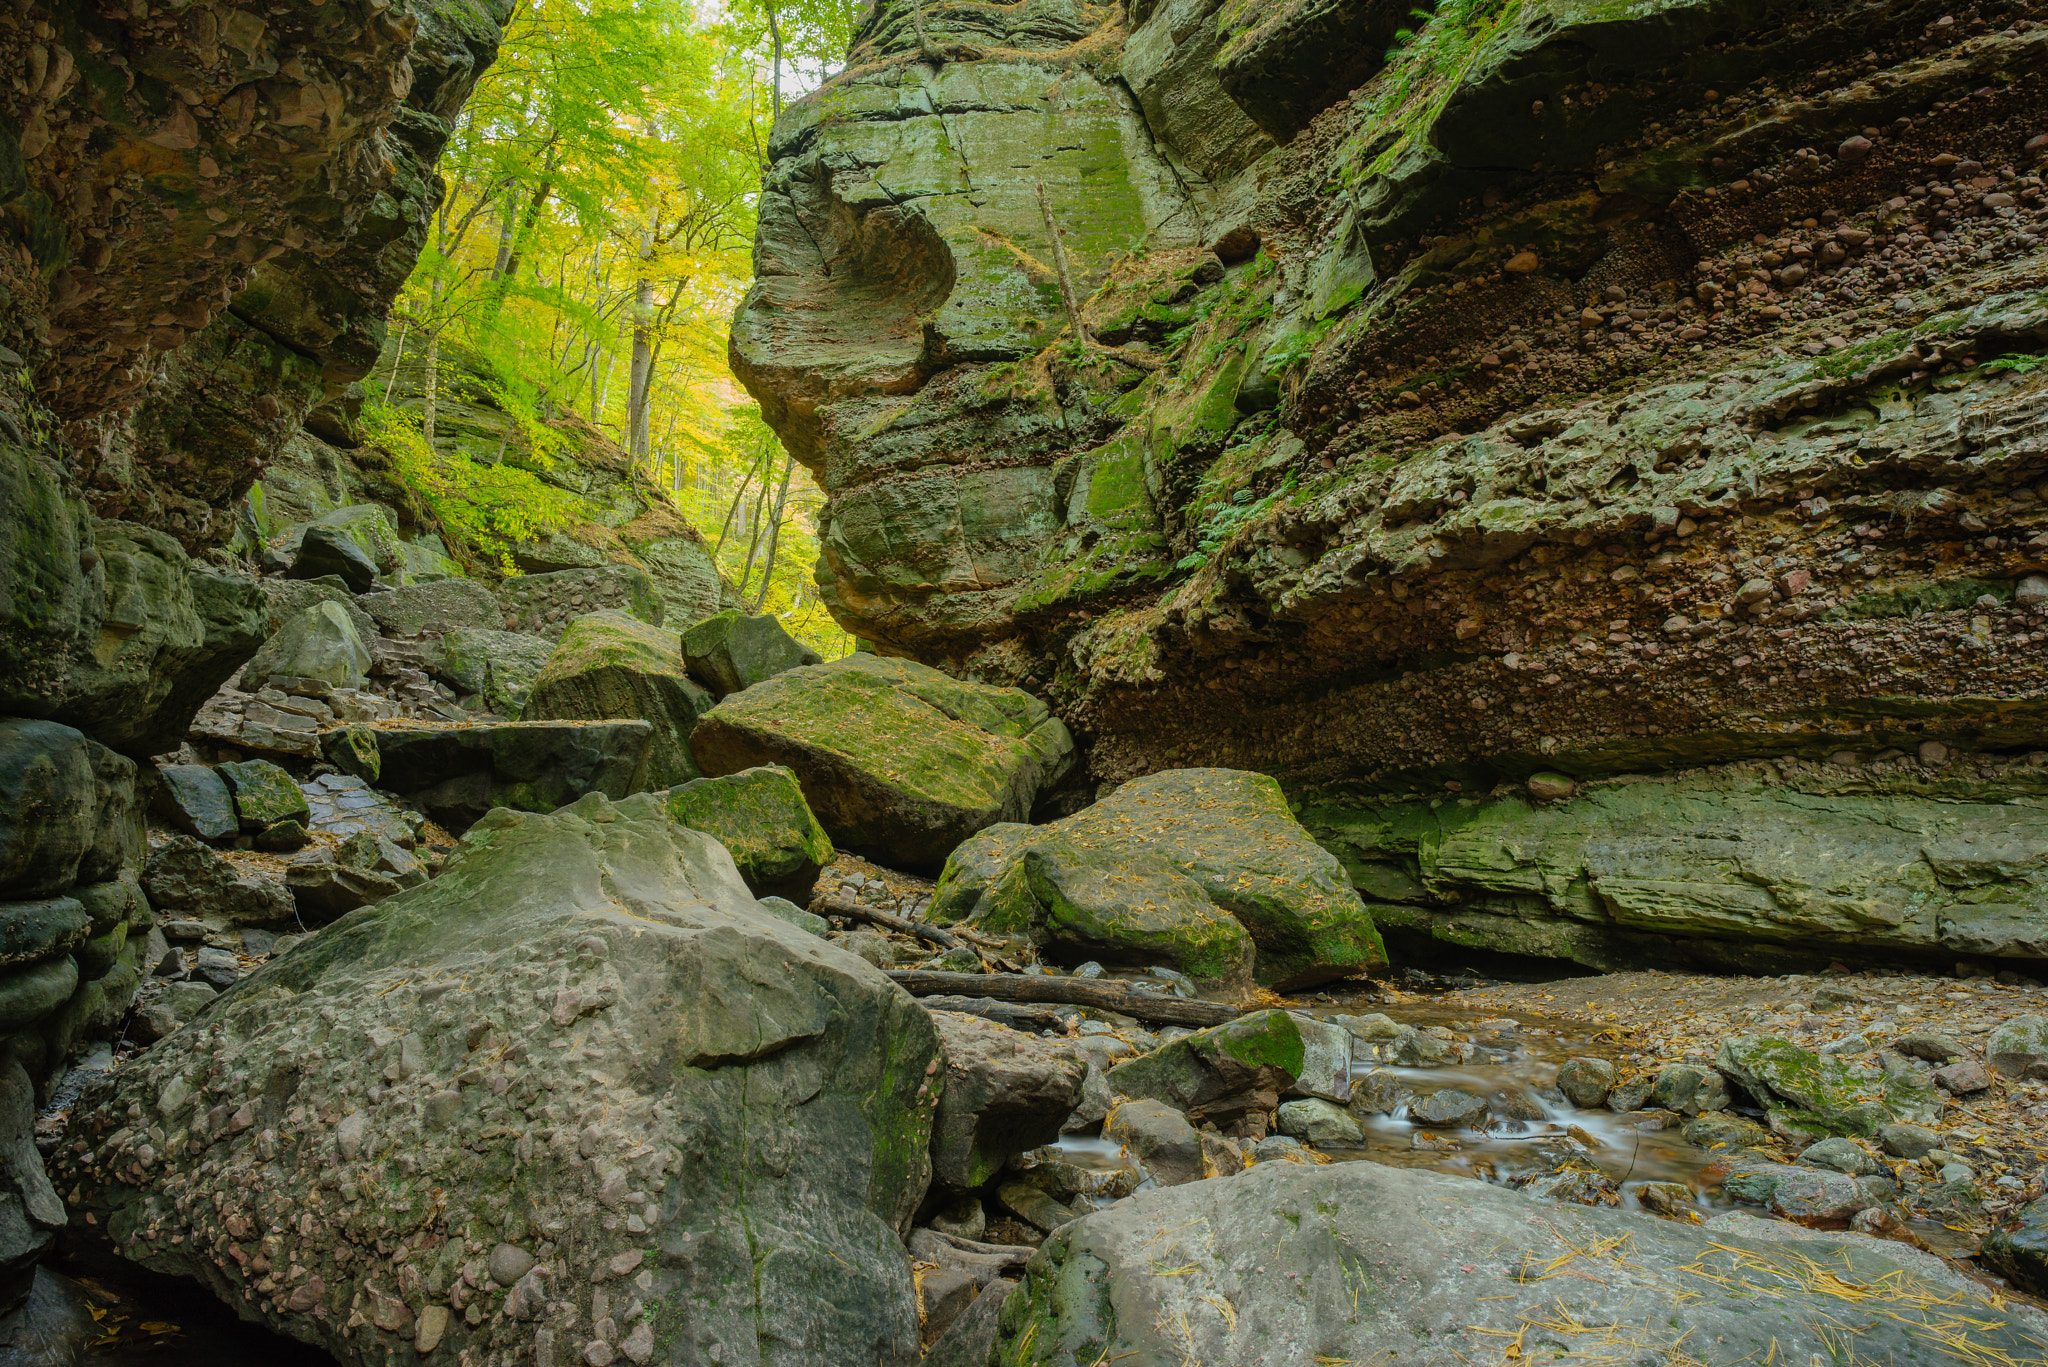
[897, 759]
[498, 666]
[610, 665]
[730, 651]
[2019, 1047]
[761, 818]
[324, 551]
[194, 881]
[435, 608]
[1196, 868]
[196, 800]
[67, 809]
[264, 794]
[457, 773]
[584, 1073]
[109, 626]
[1359, 1262]
[1006, 1093]
[357, 543]
[320, 643]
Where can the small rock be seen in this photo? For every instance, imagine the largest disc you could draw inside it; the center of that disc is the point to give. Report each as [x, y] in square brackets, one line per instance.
[2018, 1248]
[1907, 1141]
[1159, 1137]
[2019, 1048]
[1449, 1107]
[1322, 1123]
[1841, 1155]
[218, 967]
[1933, 1048]
[1962, 1078]
[963, 1219]
[1933, 752]
[1550, 787]
[1672, 1200]
[1586, 1082]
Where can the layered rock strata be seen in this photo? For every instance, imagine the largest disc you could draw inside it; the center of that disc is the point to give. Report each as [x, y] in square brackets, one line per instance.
[1560, 387]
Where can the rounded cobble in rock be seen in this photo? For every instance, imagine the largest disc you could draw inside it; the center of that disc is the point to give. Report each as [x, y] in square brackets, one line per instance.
[508, 1263]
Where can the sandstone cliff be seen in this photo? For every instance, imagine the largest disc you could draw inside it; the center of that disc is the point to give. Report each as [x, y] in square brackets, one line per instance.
[1566, 387]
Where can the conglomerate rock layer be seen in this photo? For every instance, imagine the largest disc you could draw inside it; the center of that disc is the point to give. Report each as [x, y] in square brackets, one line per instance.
[1608, 390]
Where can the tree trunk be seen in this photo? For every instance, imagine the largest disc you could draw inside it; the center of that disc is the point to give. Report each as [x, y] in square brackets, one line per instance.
[643, 352]
[397, 357]
[429, 380]
[733, 511]
[508, 214]
[754, 538]
[774, 533]
[604, 388]
[775, 40]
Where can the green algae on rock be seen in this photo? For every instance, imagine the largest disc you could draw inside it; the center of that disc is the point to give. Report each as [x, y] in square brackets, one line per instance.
[1262, 1052]
[1195, 868]
[610, 666]
[761, 818]
[899, 761]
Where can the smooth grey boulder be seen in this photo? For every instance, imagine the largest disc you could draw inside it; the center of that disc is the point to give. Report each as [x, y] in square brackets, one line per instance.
[498, 666]
[739, 1142]
[1356, 1262]
[2019, 1048]
[320, 643]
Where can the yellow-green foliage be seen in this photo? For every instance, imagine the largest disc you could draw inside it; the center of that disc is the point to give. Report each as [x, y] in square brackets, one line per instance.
[486, 506]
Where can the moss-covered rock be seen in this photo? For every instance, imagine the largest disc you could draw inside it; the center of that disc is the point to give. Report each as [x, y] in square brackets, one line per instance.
[1814, 859]
[729, 651]
[1262, 1052]
[760, 816]
[498, 666]
[1191, 867]
[264, 793]
[1825, 1093]
[610, 665]
[456, 774]
[898, 760]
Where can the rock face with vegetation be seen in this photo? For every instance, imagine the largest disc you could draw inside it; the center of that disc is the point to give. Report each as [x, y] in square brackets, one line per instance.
[1361, 1262]
[897, 759]
[1596, 390]
[722, 1160]
[1205, 870]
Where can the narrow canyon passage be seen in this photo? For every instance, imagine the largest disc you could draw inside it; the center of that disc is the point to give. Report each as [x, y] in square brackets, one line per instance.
[967, 684]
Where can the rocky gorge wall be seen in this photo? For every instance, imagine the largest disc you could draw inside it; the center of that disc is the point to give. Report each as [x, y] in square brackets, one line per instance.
[207, 211]
[1591, 453]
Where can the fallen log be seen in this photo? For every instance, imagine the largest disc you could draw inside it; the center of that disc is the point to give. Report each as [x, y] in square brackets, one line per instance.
[1104, 994]
[852, 910]
[1002, 1013]
[945, 939]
